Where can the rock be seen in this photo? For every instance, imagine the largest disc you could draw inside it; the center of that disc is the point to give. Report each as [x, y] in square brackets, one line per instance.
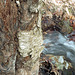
[58, 45]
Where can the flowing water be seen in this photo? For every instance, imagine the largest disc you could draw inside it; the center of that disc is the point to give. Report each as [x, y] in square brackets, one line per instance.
[57, 44]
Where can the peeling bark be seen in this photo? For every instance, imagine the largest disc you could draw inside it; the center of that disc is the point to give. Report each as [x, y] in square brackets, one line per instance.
[30, 40]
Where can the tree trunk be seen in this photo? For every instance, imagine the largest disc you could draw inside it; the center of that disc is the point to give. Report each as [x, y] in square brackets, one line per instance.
[8, 39]
[20, 37]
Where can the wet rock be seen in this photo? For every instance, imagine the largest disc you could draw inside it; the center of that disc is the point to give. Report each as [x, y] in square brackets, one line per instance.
[57, 44]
